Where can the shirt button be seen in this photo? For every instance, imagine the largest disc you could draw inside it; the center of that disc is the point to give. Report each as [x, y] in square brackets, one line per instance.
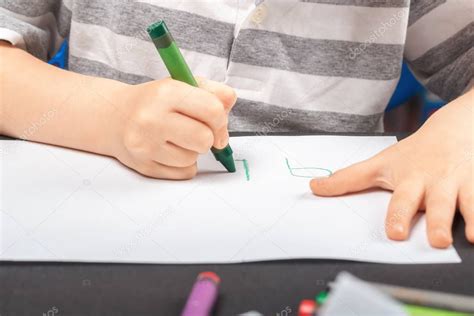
[259, 14]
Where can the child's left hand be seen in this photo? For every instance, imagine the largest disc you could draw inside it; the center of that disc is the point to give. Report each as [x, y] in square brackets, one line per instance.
[431, 170]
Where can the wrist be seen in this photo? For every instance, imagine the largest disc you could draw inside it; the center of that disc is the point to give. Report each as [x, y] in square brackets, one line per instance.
[110, 116]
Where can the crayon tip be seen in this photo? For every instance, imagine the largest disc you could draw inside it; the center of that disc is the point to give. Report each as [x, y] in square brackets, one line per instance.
[209, 275]
[224, 156]
[229, 164]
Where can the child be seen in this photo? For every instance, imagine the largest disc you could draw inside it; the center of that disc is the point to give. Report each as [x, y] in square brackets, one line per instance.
[327, 65]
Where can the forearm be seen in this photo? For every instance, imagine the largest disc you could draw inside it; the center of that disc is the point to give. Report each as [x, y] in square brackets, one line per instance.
[46, 104]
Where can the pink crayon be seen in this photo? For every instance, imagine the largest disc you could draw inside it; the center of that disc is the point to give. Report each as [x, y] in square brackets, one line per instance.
[203, 295]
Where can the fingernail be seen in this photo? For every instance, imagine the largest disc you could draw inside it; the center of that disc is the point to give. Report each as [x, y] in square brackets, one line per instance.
[399, 229]
[442, 235]
[439, 238]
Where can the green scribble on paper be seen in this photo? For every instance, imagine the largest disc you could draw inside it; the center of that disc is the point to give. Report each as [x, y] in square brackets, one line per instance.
[305, 168]
[246, 168]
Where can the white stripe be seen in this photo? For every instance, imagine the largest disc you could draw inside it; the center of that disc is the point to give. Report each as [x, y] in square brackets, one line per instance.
[229, 11]
[335, 22]
[45, 22]
[437, 26]
[135, 56]
[311, 20]
[307, 92]
[14, 38]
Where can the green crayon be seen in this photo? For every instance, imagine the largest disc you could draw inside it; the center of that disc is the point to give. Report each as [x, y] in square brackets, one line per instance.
[412, 310]
[179, 70]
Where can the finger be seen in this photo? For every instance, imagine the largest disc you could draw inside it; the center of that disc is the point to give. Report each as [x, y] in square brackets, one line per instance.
[440, 204]
[203, 106]
[357, 177]
[221, 138]
[157, 170]
[225, 93]
[466, 205]
[228, 97]
[404, 204]
[188, 133]
[174, 156]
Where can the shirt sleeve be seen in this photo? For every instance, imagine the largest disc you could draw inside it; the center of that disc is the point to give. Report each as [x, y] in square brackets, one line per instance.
[37, 26]
[439, 45]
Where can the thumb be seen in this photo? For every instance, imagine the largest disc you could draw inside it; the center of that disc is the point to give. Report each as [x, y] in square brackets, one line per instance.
[222, 91]
[358, 177]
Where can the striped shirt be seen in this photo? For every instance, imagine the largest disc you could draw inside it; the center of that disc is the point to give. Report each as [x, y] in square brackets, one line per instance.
[296, 65]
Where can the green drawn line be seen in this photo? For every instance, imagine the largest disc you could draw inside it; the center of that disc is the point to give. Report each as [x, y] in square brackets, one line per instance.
[306, 168]
[246, 167]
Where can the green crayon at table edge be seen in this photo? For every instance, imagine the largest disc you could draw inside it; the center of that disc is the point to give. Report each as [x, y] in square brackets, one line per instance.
[179, 70]
[415, 310]
[412, 310]
[321, 298]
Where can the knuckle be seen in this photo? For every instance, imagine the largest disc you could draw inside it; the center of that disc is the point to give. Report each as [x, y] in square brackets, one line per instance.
[137, 145]
[143, 120]
[191, 158]
[148, 171]
[188, 173]
[229, 96]
[206, 139]
[217, 111]
[187, 160]
[166, 87]
[132, 140]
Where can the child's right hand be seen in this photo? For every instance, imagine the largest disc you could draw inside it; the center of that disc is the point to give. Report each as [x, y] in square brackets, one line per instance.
[166, 124]
[157, 128]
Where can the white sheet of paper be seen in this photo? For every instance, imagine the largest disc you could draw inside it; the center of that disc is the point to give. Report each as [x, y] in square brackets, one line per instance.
[63, 205]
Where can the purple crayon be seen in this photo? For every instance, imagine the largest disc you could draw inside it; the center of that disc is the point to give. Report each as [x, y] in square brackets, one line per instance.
[203, 295]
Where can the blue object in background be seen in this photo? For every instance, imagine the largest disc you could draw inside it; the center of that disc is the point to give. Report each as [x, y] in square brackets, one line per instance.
[431, 104]
[407, 88]
[61, 57]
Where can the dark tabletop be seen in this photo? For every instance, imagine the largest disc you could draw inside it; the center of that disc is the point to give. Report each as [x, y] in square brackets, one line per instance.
[32, 288]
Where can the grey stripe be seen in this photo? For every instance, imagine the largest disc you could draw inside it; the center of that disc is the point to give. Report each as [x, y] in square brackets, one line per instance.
[97, 69]
[262, 118]
[419, 8]
[318, 57]
[30, 8]
[192, 32]
[36, 39]
[63, 17]
[439, 56]
[41, 7]
[451, 81]
[365, 3]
